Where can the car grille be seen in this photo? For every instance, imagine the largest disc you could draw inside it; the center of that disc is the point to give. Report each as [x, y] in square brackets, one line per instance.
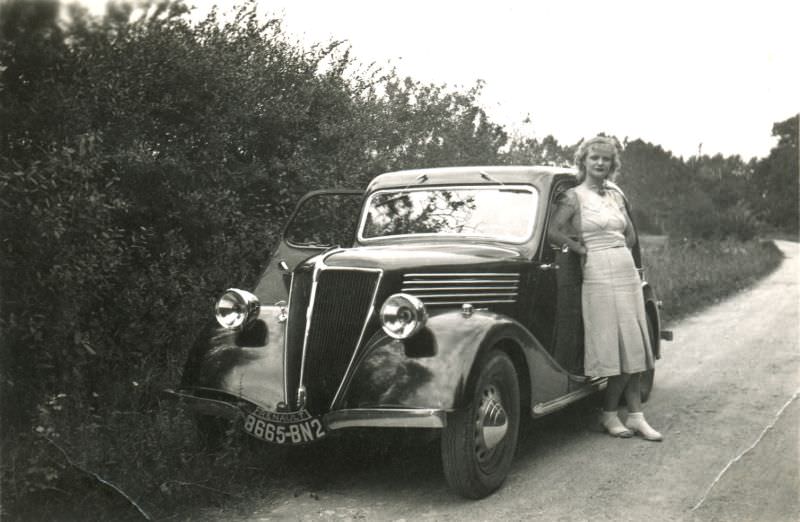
[340, 307]
[455, 289]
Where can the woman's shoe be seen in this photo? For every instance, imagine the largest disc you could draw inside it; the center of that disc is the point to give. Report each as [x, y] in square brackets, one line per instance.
[614, 426]
[638, 424]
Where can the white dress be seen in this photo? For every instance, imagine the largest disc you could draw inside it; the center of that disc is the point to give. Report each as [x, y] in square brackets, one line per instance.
[615, 324]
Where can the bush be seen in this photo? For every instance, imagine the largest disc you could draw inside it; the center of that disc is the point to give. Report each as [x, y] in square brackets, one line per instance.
[146, 165]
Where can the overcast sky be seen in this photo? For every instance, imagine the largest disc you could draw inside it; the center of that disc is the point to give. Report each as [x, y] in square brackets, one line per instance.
[675, 73]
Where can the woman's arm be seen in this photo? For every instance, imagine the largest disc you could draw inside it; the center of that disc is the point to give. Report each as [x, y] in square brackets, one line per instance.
[559, 230]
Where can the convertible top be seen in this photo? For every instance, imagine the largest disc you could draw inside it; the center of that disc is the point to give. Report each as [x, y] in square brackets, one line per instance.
[490, 175]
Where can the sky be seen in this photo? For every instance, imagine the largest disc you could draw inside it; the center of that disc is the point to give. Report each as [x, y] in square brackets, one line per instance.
[677, 74]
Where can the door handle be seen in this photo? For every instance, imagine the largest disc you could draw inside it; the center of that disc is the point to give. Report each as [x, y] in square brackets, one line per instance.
[548, 266]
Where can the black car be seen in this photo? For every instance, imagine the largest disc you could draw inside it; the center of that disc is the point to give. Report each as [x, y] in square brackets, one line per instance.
[432, 300]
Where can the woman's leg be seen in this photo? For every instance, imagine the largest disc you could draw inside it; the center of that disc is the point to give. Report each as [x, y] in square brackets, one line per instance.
[609, 418]
[614, 389]
[633, 393]
[636, 420]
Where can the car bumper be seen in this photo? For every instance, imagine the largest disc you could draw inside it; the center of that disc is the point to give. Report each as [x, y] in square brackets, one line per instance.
[334, 420]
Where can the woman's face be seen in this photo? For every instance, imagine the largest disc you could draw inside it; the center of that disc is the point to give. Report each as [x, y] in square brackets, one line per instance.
[598, 162]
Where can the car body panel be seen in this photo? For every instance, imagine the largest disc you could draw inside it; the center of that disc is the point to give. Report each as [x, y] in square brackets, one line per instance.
[433, 373]
[245, 365]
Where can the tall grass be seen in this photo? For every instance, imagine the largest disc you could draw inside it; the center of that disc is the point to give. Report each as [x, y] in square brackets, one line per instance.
[691, 274]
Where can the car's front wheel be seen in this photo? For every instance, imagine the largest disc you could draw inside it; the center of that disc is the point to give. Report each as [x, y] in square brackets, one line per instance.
[479, 441]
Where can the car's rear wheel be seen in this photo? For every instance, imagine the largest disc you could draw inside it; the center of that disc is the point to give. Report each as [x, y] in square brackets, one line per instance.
[479, 441]
[648, 377]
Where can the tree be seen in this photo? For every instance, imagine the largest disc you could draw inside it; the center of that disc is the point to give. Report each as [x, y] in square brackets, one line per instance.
[530, 151]
[776, 178]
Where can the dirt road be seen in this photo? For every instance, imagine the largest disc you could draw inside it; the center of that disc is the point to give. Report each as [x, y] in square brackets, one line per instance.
[725, 399]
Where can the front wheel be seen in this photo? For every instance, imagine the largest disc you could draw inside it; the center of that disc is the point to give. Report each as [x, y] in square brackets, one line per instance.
[479, 441]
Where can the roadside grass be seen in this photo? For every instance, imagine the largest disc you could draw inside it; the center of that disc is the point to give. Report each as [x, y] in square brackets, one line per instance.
[691, 274]
[128, 465]
[100, 463]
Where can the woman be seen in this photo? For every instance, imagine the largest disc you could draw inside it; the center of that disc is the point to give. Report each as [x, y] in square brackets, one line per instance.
[592, 221]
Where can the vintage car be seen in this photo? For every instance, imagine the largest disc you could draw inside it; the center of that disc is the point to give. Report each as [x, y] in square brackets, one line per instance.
[432, 300]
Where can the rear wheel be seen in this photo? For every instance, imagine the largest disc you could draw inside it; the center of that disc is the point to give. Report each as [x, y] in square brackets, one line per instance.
[648, 376]
[479, 441]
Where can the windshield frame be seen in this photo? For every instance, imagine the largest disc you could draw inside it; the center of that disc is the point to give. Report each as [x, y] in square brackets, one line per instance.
[514, 240]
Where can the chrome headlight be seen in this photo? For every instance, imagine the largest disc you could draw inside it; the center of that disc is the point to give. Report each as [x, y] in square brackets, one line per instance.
[402, 315]
[236, 308]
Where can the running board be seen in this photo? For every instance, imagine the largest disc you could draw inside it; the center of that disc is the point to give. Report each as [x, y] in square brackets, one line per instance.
[545, 408]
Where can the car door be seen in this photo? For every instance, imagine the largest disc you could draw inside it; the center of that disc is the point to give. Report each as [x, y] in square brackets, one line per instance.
[321, 220]
[557, 315]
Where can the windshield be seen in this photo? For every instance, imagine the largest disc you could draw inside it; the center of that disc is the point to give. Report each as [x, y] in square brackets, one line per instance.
[505, 213]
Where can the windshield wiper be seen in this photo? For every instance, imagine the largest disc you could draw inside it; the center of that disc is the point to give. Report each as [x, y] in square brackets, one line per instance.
[422, 178]
[485, 175]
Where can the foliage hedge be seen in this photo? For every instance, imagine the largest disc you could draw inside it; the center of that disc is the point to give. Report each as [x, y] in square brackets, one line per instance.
[146, 164]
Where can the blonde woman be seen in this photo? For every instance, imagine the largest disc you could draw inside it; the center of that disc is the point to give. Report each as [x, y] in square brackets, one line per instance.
[592, 221]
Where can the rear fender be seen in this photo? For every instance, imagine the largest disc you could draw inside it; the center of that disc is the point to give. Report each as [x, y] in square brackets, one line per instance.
[651, 308]
[432, 369]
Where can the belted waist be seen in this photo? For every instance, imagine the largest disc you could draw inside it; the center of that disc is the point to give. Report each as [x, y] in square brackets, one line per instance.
[598, 248]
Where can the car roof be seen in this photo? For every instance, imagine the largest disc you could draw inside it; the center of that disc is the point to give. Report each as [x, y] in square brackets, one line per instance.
[487, 175]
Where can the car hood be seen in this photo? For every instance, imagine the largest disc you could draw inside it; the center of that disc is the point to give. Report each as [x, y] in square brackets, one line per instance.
[451, 256]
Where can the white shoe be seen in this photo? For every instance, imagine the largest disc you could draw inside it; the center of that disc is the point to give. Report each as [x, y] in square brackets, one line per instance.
[638, 424]
[614, 426]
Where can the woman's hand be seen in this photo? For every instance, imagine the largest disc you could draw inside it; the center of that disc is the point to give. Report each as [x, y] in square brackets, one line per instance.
[575, 246]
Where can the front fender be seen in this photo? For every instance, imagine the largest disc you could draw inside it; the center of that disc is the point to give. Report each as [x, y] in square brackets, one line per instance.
[245, 364]
[432, 369]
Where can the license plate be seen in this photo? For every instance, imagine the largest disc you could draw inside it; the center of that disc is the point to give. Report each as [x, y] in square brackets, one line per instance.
[297, 427]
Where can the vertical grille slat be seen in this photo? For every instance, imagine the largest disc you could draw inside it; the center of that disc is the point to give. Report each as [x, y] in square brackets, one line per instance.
[298, 304]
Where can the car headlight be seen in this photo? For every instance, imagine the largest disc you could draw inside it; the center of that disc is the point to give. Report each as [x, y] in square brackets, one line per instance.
[402, 315]
[236, 308]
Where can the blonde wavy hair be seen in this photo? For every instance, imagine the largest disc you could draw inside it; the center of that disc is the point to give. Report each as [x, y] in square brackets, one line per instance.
[583, 151]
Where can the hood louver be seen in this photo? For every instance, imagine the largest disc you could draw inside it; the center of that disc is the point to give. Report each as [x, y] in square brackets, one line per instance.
[455, 289]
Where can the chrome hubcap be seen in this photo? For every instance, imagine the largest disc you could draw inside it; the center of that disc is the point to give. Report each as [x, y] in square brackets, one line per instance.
[491, 424]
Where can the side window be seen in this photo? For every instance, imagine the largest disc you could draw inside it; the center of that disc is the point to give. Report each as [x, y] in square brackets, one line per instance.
[325, 219]
[548, 252]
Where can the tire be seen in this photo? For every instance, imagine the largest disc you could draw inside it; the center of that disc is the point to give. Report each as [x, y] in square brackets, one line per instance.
[475, 460]
[648, 376]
